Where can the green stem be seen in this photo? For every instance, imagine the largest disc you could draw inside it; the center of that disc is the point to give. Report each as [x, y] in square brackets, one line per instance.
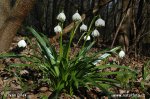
[61, 44]
[92, 22]
[81, 38]
[71, 38]
[89, 30]
[85, 40]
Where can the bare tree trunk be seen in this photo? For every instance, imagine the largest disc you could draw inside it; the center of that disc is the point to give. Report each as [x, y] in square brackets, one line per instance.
[4, 10]
[54, 14]
[46, 17]
[13, 22]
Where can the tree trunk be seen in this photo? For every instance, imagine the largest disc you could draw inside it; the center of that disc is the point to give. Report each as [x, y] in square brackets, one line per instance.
[54, 15]
[13, 22]
[4, 10]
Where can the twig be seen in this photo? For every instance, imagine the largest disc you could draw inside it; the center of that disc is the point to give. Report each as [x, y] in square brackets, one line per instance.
[126, 12]
[118, 31]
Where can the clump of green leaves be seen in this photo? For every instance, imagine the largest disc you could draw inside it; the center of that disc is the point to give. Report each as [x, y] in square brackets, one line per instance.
[65, 74]
[145, 76]
[68, 74]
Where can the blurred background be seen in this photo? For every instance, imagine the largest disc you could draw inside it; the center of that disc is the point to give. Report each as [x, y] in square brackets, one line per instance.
[127, 21]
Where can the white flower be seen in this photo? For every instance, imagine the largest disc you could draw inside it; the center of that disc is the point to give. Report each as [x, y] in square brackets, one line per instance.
[76, 17]
[83, 27]
[95, 33]
[121, 54]
[57, 29]
[87, 38]
[22, 43]
[61, 17]
[99, 22]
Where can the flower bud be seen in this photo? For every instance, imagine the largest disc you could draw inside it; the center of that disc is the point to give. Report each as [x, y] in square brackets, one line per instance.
[76, 17]
[121, 54]
[57, 29]
[22, 43]
[87, 38]
[95, 33]
[83, 27]
[99, 22]
[61, 17]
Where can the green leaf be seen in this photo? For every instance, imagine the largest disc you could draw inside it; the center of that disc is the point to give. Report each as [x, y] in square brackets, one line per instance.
[92, 22]
[44, 97]
[57, 70]
[43, 45]
[48, 44]
[110, 73]
[73, 75]
[10, 55]
[83, 51]
[20, 65]
[145, 70]
[104, 56]
[59, 86]
[104, 79]
[66, 49]
[115, 66]
[32, 58]
[70, 41]
[103, 87]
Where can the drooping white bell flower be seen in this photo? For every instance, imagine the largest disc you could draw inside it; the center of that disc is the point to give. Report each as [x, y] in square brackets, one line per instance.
[121, 54]
[57, 29]
[83, 27]
[95, 33]
[61, 17]
[99, 22]
[76, 17]
[87, 38]
[22, 43]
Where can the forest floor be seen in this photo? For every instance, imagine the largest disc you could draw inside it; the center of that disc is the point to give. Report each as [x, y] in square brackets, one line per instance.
[11, 88]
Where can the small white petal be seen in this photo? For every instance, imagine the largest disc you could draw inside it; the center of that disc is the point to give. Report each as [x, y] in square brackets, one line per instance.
[61, 17]
[87, 38]
[22, 43]
[83, 27]
[99, 22]
[76, 17]
[57, 29]
[95, 33]
[121, 54]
